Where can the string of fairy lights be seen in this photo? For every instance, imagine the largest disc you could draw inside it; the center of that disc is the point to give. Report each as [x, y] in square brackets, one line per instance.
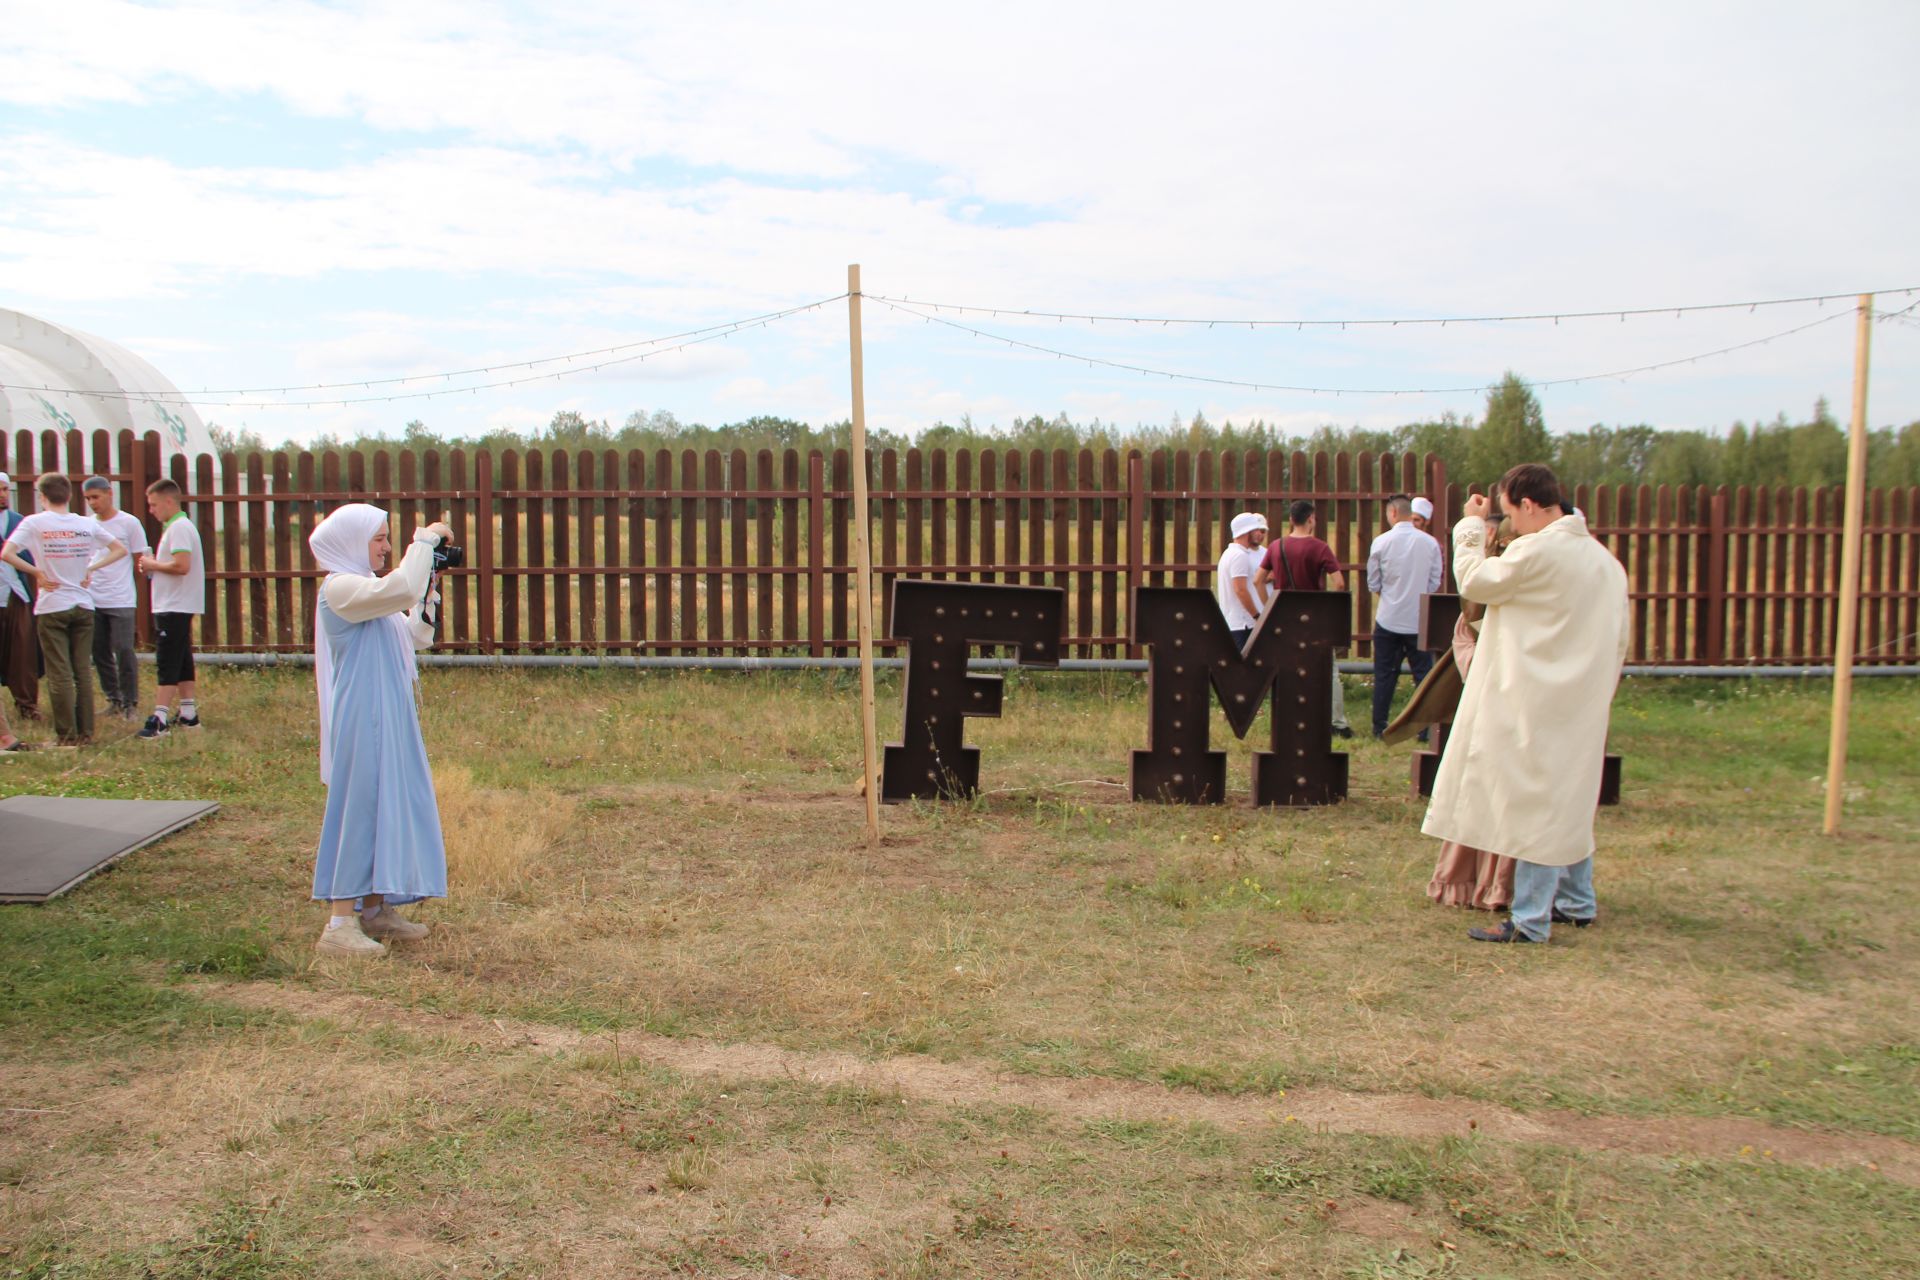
[551, 368]
[1620, 313]
[1177, 376]
[640, 350]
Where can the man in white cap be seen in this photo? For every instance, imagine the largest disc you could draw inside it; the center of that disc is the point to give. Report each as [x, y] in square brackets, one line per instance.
[19, 644]
[1423, 516]
[1233, 577]
[1256, 552]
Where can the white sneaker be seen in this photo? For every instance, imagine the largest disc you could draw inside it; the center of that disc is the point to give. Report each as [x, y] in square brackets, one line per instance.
[348, 940]
[391, 926]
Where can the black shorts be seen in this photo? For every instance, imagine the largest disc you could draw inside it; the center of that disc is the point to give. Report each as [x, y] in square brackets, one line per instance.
[173, 647]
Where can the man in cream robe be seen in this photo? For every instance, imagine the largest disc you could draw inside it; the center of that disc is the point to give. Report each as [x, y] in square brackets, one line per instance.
[1521, 773]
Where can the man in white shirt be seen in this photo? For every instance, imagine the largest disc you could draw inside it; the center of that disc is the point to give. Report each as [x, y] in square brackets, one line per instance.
[64, 547]
[1233, 577]
[179, 573]
[114, 602]
[1402, 565]
[1257, 552]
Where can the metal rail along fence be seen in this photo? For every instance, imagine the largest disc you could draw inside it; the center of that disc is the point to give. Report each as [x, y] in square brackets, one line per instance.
[706, 553]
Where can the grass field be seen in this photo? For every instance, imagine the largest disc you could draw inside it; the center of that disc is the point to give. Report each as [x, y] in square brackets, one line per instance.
[676, 1019]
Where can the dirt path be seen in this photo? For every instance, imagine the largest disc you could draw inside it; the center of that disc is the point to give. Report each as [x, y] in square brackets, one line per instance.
[928, 1080]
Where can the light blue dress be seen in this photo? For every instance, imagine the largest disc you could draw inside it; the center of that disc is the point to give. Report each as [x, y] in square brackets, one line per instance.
[381, 833]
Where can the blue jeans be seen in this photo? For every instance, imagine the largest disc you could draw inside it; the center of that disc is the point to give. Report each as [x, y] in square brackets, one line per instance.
[1390, 648]
[1537, 890]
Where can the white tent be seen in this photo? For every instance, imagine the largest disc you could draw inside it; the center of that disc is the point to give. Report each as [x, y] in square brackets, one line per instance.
[61, 379]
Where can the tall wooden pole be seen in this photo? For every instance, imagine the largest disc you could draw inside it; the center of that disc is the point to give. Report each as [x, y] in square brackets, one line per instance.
[1845, 640]
[863, 562]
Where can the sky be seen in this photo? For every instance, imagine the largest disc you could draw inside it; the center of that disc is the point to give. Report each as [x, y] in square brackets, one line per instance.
[268, 196]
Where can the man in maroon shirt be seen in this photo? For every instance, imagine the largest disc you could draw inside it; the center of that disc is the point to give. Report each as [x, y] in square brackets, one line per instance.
[1302, 562]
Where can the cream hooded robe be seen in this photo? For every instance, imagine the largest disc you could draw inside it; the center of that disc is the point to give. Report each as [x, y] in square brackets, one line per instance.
[1521, 772]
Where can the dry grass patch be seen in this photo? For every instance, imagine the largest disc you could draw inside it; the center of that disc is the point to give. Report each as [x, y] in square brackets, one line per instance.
[498, 841]
[609, 875]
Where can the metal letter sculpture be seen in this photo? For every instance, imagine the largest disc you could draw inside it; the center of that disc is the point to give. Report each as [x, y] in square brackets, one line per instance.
[941, 621]
[1290, 653]
[1438, 614]
[1439, 611]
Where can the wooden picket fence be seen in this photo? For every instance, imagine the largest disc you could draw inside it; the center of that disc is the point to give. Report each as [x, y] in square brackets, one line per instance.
[729, 553]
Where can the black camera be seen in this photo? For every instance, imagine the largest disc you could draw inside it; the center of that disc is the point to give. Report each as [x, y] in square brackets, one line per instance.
[448, 556]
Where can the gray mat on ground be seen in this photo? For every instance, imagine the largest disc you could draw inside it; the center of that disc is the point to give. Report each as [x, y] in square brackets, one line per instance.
[48, 844]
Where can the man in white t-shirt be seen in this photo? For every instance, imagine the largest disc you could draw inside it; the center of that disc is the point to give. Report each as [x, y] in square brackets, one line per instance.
[178, 570]
[66, 550]
[1233, 577]
[1256, 552]
[114, 602]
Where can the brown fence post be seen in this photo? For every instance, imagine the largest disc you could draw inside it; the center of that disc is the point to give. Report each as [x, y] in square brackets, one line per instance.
[133, 451]
[1136, 539]
[483, 550]
[1442, 499]
[816, 554]
[1714, 589]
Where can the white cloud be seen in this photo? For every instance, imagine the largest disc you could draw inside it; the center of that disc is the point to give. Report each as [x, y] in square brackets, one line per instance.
[628, 172]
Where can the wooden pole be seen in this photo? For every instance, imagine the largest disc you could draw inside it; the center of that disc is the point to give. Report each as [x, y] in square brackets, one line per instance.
[863, 563]
[1844, 640]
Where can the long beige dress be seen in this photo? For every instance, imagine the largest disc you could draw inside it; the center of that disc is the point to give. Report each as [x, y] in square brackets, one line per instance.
[1533, 714]
[1466, 876]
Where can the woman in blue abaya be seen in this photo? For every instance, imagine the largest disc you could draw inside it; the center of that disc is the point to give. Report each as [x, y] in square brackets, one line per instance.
[380, 843]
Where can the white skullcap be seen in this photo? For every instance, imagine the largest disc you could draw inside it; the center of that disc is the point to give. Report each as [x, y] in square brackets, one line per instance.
[1247, 522]
[1423, 508]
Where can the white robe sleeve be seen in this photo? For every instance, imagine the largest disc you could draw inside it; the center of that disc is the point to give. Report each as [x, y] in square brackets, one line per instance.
[419, 624]
[1488, 580]
[357, 599]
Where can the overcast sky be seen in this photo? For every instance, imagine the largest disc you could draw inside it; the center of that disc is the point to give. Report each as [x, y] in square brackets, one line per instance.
[264, 195]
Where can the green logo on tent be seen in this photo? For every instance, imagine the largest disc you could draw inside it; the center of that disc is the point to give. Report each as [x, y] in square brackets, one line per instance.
[176, 426]
[65, 420]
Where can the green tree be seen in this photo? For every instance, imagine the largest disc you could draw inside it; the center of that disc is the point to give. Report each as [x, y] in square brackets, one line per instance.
[1894, 457]
[1604, 455]
[1450, 437]
[244, 440]
[1513, 431]
[1684, 458]
[1817, 451]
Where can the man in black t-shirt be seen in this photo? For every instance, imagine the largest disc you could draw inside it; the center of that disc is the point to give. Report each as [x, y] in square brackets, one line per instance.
[1302, 562]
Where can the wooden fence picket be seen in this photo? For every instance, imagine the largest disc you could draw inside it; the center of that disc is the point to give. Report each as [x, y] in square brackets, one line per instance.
[751, 553]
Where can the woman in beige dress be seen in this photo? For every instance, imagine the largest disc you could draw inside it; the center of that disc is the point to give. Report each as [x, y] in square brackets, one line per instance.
[1464, 876]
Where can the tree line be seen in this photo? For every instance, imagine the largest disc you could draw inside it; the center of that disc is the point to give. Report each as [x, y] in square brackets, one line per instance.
[1511, 429]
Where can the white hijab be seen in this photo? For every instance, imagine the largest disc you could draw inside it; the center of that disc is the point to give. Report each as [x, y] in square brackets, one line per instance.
[339, 544]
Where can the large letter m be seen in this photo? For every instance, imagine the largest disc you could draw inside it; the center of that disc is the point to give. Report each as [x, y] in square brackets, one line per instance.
[1290, 655]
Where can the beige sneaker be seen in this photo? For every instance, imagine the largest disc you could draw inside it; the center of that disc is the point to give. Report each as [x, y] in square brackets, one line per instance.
[391, 926]
[348, 940]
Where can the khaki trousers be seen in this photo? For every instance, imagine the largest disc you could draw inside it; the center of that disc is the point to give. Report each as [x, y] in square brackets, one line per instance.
[66, 642]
